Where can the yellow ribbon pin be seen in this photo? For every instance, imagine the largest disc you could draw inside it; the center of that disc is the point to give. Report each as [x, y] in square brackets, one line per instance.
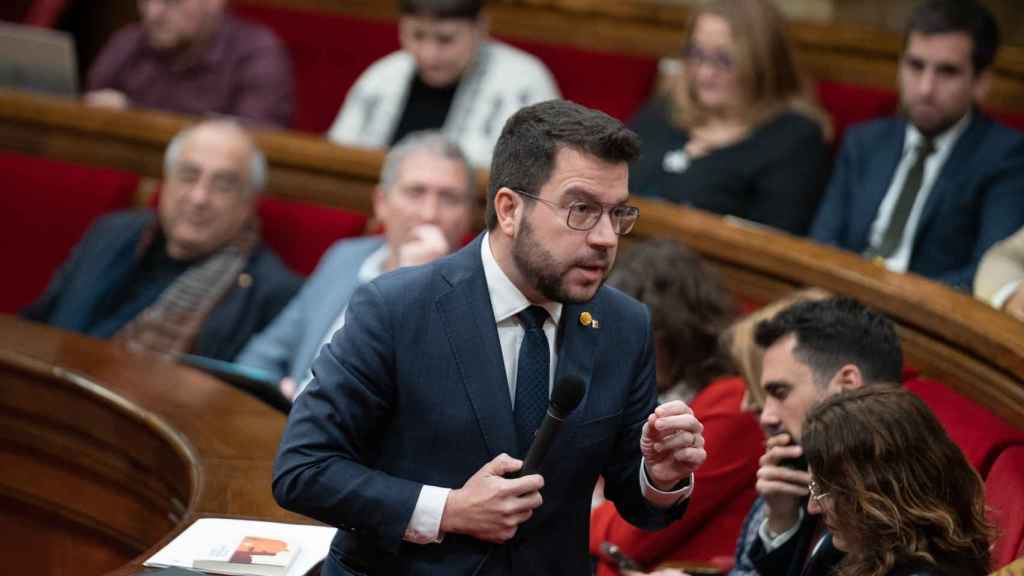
[586, 319]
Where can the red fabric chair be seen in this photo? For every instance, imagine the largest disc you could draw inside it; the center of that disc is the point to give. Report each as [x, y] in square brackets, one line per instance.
[617, 84]
[709, 528]
[978, 432]
[328, 52]
[47, 206]
[849, 104]
[1004, 491]
[301, 232]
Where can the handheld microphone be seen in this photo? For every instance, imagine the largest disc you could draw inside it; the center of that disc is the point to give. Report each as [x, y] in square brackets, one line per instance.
[565, 397]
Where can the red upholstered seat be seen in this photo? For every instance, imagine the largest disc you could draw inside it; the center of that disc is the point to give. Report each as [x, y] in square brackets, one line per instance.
[328, 52]
[980, 434]
[617, 84]
[849, 104]
[46, 206]
[1004, 491]
[301, 232]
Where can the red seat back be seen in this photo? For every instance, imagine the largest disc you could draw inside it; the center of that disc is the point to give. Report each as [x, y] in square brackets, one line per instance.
[1004, 491]
[978, 432]
[301, 232]
[46, 206]
[328, 52]
[617, 84]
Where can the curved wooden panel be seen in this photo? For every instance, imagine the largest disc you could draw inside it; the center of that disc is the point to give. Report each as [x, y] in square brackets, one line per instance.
[946, 334]
[107, 452]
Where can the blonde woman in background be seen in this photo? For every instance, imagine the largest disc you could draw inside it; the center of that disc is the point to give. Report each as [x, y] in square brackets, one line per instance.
[737, 132]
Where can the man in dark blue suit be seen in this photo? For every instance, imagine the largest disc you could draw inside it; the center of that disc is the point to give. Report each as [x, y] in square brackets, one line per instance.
[929, 191]
[422, 405]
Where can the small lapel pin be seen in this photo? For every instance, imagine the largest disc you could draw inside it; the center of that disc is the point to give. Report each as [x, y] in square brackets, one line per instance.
[587, 320]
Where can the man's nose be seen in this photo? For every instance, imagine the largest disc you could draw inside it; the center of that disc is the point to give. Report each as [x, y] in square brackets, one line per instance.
[768, 417]
[813, 507]
[926, 83]
[603, 233]
[430, 209]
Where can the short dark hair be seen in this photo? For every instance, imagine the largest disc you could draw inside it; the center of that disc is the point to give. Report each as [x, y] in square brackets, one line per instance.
[690, 306]
[834, 332]
[525, 153]
[967, 16]
[443, 9]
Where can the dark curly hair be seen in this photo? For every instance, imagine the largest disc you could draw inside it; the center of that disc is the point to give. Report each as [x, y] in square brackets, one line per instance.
[689, 306]
[904, 494]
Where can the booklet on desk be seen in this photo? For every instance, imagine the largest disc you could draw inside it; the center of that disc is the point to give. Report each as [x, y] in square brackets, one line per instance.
[192, 548]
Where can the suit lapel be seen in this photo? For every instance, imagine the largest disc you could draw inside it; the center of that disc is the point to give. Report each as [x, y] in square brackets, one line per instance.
[879, 179]
[577, 344]
[469, 323]
[959, 157]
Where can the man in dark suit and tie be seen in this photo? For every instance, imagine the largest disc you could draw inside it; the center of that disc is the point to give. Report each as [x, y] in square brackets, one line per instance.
[410, 435]
[929, 191]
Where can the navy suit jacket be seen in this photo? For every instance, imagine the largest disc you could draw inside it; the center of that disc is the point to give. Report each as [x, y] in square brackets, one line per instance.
[106, 257]
[413, 391]
[977, 199]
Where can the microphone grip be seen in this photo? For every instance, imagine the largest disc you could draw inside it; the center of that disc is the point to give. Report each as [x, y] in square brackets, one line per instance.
[542, 442]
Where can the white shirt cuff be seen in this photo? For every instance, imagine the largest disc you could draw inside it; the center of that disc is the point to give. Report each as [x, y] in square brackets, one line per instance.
[999, 299]
[425, 524]
[772, 542]
[660, 498]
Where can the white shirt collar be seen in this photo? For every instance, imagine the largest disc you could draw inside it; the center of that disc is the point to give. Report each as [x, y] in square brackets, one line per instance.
[942, 142]
[506, 299]
[373, 266]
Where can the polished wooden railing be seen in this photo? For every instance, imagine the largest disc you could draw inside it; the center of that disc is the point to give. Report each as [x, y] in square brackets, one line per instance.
[108, 453]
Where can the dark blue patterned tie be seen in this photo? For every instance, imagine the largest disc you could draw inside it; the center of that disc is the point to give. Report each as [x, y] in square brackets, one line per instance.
[532, 376]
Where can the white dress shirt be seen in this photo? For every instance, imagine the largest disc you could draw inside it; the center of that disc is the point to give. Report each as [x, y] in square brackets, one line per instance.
[900, 259]
[507, 301]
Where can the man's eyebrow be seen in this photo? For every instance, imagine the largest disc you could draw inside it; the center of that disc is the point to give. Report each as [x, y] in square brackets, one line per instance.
[580, 193]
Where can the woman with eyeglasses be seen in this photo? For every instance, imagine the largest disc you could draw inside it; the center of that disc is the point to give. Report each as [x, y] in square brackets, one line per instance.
[897, 495]
[736, 133]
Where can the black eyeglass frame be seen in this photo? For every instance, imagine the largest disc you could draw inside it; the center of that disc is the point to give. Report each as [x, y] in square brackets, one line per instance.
[633, 212]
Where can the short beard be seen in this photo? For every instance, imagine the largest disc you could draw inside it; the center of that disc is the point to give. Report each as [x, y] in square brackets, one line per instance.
[540, 269]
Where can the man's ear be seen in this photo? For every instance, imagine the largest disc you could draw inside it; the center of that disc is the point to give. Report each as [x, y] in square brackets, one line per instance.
[982, 85]
[848, 377]
[483, 25]
[508, 207]
[380, 204]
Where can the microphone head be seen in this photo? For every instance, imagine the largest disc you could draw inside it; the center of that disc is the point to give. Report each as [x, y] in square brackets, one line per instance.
[567, 395]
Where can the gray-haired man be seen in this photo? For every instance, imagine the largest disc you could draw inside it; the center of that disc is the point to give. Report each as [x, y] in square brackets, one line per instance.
[425, 200]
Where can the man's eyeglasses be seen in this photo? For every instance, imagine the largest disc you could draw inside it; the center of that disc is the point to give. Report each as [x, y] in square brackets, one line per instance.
[717, 59]
[584, 215]
[816, 493]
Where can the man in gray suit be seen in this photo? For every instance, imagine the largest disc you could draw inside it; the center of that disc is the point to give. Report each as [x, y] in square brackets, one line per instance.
[425, 201]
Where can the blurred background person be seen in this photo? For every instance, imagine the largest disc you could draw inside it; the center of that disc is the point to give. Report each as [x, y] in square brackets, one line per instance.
[736, 132]
[192, 275]
[426, 201]
[448, 76]
[690, 309]
[897, 494]
[1000, 275]
[191, 57]
[931, 189]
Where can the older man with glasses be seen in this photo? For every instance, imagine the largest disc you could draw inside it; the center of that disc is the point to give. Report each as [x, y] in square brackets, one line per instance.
[411, 434]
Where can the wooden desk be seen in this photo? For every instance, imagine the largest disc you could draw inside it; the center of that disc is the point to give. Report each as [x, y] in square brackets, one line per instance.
[108, 453]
